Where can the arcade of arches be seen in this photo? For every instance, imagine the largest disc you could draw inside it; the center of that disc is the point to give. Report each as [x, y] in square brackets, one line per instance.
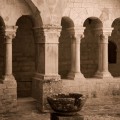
[38, 58]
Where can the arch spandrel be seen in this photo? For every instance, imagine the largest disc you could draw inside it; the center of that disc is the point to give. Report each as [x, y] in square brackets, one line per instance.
[51, 10]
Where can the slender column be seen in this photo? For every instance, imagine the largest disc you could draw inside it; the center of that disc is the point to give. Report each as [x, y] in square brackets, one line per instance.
[75, 72]
[10, 33]
[103, 57]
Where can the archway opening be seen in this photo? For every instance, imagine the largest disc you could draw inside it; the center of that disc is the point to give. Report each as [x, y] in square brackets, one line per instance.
[112, 53]
[113, 49]
[65, 46]
[89, 46]
[24, 56]
[2, 34]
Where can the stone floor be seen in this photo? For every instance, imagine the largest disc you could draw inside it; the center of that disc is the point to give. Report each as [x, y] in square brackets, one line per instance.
[94, 109]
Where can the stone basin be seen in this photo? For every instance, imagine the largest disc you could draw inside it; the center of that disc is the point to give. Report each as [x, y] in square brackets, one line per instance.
[67, 103]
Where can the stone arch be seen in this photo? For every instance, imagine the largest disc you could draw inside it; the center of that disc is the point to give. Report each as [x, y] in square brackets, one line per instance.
[93, 22]
[65, 46]
[89, 46]
[19, 8]
[2, 32]
[116, 27]
[67, 22]
[24, 55]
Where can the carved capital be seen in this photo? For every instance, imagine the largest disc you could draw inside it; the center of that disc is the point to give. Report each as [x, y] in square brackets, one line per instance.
[103, 38]
[76, 38]
[107, 31]
[79, 33]
[10, 33]
[47, 34]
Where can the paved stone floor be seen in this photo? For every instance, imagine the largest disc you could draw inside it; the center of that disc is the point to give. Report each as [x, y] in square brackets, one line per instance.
[94, 109]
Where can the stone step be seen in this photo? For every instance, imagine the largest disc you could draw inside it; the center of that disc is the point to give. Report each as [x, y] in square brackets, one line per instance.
[26, 104]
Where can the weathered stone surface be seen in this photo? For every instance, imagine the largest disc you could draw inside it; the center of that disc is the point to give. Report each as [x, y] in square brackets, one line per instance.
[45, 88]
[93, 87]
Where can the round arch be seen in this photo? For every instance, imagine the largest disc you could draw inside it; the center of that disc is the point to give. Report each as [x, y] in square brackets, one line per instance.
[89, 46]
[93, 22]
[24, 55]
[65, 46]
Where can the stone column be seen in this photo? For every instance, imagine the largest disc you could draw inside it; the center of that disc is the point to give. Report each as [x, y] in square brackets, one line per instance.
[10, 32]
[46, 80]
[75, 72]
[103, 71]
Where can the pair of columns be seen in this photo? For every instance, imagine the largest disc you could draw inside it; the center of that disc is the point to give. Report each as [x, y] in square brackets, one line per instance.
[75, 72]
[102, 71]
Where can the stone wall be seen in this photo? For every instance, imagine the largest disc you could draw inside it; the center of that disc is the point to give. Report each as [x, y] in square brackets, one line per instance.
[96, 88]
[105, 10]
[8, 97]
[18, 8]
[24, 56]
[1, 57]
[64, 54]
[89, 54]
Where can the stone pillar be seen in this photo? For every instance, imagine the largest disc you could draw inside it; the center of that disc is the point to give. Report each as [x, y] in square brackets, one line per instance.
[47, 52]
[75, 72]
[103, 71]
[10, 33]
[46, 80]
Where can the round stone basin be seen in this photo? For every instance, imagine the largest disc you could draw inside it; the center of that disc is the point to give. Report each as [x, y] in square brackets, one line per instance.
[66, 103]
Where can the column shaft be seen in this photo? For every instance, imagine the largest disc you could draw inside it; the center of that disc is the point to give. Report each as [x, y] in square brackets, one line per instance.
[103, 71]
[75, 72]
[8, 59]
[77, 57]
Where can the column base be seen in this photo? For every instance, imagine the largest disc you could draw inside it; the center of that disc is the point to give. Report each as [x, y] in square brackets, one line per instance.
[75, 76]
[10, 81]
[42, 88]
[47, 77]
[103, 74]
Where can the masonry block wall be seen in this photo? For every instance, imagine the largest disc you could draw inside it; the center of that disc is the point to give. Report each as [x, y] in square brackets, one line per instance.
[64, 54]
[24, 57]
[1, 57]
[89, 54]
[8, 98]
[115, 38]
[95, 88]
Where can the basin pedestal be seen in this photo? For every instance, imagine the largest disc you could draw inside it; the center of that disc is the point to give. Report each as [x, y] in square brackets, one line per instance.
[56, 116]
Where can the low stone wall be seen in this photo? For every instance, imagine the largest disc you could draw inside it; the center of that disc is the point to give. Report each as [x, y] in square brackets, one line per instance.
[93, 87]
[8, 97]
